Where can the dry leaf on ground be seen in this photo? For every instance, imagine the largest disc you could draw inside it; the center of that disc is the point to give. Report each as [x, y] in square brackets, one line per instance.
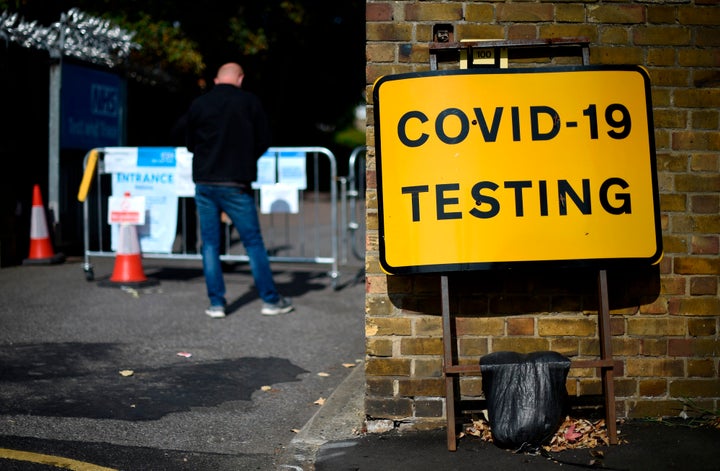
[579, 433]
[572, 434]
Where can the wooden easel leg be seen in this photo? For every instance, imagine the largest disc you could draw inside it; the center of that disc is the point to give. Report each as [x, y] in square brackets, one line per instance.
[607, 373]
[447, 361]
[450, 412]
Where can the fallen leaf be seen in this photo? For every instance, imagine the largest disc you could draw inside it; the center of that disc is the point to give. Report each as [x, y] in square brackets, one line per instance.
[324, 375]
[184, 354]
[265, 388]
[126, 372]
[295, 430]
[480, 428]
[579, 433]
[320, 401]
[131, 291]
[571, 435]
[348, 365]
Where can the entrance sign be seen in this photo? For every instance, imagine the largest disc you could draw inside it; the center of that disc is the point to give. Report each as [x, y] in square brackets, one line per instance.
[483, 168]
[149, 172]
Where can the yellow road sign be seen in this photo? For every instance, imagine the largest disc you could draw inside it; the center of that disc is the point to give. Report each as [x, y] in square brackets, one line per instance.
[484, 167]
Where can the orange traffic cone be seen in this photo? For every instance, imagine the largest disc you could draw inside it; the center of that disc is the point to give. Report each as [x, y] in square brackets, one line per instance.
[128, 270]
[41, 249]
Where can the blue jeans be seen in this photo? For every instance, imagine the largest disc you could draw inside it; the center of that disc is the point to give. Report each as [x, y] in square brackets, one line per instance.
[239, 205]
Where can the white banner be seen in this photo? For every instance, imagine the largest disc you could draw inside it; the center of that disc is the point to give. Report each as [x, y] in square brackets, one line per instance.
[150, 172]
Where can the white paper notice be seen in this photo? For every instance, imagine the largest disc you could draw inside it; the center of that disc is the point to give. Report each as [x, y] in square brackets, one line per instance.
[279, 198]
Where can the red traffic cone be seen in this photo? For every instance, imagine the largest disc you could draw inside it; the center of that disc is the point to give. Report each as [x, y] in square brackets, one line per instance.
[41, 249]
[128, 270]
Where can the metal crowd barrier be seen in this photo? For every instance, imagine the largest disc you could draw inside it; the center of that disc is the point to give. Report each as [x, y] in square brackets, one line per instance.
[311, 236]
[353, 212]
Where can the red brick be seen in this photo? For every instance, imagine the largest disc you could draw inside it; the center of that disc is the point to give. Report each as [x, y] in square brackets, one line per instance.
[707, 37]
[524, 12]
[669, 77]
[698, 183]
[694, 15]
[387, 367]
[521, 326]
[697, 266]
[703, 368]
[661, 56]
[698, 97]
[705, 204]
[643, 408]
[700, 285]
[665, 35]
[705, 119]
[698, 58]
[431, 11]
[616, 13]
[653, 387]
[378, 12]
[695, 388]
[695, 306]
[522, 31]
[421, 346]
[705, 245]
[695, 140]
[673, 285]
[680, 347]
[661, 14]
[421, 387]
[393, 408]
[702, 327]
[702, 162]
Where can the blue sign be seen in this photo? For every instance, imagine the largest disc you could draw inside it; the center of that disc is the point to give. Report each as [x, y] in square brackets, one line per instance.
[92, 108]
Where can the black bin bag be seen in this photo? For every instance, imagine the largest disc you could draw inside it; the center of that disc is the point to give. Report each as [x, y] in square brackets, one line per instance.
[526, 396]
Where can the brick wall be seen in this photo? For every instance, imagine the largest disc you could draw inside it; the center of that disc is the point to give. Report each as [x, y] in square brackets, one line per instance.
[665, 320]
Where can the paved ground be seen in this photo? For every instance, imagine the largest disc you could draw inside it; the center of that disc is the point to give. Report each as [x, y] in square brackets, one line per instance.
[255, 393]
[249, 384]
[330, 442]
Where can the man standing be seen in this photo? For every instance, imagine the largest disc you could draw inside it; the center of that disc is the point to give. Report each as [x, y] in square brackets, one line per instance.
[227, 132]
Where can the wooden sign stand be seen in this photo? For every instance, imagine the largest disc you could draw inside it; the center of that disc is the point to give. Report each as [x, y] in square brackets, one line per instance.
[499, 50]
[605, 363]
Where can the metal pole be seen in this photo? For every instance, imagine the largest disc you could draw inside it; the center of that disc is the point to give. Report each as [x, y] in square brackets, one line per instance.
[56, 53]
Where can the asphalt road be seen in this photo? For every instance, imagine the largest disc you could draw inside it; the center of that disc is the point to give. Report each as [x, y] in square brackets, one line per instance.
[136, 379]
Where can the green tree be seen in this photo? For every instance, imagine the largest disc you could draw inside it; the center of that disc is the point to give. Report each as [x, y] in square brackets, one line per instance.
[305, 58]
[178, 38]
